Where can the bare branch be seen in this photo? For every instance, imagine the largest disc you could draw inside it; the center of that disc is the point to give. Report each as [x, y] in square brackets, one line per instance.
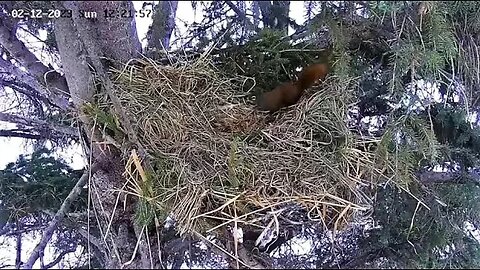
[29, 94]
[5, 229]
[64, 208]
[93, 240]
[9, 231]
[39, 125]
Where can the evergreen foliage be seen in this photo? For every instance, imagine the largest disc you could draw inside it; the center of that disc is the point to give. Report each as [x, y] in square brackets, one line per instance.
[412, 236]
[36, 183]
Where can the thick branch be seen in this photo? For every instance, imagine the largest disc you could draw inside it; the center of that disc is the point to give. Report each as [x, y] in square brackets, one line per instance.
[38, 124]
[20, 134]
[256, 14]
[449, 177]
[170, 23]
[94, 52]
[64, 208]
[119, 37]
[80, 79]
[275, 15]
[280, 11]
[266, 9]
[25, 78]
[52, 79]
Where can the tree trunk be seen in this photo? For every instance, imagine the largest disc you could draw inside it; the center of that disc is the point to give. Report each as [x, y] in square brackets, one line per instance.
[77, 39]
[162, 25]
[116, 37]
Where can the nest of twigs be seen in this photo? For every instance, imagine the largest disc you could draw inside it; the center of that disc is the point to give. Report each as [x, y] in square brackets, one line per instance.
[217, 161]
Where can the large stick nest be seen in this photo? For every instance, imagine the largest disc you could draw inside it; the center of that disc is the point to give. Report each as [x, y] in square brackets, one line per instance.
[217, 161]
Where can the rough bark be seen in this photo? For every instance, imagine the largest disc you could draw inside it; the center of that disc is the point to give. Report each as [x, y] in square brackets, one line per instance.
[79, 78]
[117, 37]
[94, 53]
[97, 243]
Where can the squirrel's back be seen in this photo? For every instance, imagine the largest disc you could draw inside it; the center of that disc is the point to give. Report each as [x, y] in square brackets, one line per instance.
[311, 74]
[289, 93]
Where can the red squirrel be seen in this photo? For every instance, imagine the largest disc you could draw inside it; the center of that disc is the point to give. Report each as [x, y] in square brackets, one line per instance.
[289, 93]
